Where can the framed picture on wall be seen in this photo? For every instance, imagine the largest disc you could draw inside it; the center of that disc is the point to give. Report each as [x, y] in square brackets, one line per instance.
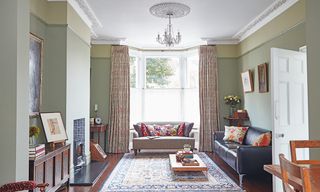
[53, 127]
[35, 73]
[263, 77]
[247, 81]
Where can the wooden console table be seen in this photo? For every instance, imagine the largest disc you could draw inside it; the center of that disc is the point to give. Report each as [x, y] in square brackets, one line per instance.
[52, 168]
[100, 130]
[236, 120]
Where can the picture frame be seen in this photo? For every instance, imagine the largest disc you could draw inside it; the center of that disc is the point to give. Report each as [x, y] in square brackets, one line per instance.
[263, 77]
[247, 81]
[53, 127]
[35, 73]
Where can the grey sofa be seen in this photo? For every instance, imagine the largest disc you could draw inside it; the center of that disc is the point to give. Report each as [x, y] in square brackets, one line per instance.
[162, 142]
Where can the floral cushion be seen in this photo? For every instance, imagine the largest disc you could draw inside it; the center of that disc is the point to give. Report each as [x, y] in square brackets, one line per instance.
[144, 130]
[235, 134]
[162, 130]
[181, 128]
[263, 140]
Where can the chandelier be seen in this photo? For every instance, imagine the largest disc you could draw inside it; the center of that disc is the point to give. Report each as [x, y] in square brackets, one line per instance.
[169, 10]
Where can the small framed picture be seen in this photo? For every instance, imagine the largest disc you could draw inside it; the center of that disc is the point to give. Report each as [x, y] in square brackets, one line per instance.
[263, 77]
[247, 81]
[53, 127]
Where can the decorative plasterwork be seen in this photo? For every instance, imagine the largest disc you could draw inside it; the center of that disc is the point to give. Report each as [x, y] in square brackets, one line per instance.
[275, 9]
[165, 9]
[85, 12]
[211, 41]
[118, 41]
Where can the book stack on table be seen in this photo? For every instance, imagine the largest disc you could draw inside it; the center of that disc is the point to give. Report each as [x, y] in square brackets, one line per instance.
[36, 151]
[186, 154]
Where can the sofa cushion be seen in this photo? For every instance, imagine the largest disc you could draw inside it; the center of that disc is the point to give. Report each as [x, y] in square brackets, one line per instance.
[235, 134]
[228, 144]
[138, 129]
[188, 129]
[162, 130]
[181, 129]
[252, 134]
[144, 130]
[263, 140]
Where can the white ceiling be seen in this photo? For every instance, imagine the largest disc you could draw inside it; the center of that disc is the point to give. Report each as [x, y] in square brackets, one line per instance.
[211, 19]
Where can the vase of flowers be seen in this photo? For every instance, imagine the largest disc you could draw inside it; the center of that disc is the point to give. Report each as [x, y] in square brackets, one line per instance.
[233, 101]
[34, 132]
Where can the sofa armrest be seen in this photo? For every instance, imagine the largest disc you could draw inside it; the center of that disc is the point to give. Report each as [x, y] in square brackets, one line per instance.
[250, 159]
[218, 135]
[192, 134]
[135, 134]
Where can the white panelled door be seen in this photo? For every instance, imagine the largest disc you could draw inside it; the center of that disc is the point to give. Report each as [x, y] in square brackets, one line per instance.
[289, 91]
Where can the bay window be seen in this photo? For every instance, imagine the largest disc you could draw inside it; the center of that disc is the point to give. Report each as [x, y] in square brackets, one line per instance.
[164, 86]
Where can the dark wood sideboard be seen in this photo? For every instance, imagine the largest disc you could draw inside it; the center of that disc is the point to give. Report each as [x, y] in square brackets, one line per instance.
[52, 168]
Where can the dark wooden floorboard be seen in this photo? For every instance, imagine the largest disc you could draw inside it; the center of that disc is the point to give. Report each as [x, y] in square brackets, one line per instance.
[251, 184]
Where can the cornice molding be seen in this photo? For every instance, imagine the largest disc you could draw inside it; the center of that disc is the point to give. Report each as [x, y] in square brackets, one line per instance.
[85, 13]
[118, 41]
[275, 9]
[211, 41]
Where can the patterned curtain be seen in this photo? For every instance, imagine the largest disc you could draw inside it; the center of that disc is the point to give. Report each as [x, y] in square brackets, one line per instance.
[208, 90]
[118, 132]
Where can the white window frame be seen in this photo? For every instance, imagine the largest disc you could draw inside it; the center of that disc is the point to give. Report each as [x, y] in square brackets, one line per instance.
[141, 73]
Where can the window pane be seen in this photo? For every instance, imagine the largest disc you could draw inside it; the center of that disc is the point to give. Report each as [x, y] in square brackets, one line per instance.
[191, 106]
[162, 105]
[133, 72]
[135, 105]
[162, 72]
[193, 72]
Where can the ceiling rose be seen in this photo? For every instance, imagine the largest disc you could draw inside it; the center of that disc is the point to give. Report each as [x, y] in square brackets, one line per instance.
[175, 10]
[169, 10]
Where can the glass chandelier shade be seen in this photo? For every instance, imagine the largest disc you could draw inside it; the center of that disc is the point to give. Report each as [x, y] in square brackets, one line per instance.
[168, 38]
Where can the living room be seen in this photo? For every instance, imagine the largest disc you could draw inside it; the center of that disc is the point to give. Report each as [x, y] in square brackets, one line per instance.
[79, 44]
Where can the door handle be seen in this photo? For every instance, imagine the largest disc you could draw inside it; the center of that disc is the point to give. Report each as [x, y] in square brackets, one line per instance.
[280, 135]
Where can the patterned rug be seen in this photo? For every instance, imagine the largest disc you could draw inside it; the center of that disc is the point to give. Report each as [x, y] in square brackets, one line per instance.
[151, 172]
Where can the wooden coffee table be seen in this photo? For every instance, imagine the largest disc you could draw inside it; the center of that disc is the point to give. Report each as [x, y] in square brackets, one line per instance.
[177, 166]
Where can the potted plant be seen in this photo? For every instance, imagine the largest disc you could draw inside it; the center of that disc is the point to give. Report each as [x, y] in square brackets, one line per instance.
[233, 101]
[34, 132]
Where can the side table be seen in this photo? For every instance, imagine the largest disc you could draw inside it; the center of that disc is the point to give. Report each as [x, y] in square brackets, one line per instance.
[99, 130]
[236, 121]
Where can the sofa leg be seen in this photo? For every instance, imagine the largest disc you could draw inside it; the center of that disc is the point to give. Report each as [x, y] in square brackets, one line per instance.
[135, 151]
[241, 179]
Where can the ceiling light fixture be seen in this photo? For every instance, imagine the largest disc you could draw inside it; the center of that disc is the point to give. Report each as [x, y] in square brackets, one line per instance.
[169, 10]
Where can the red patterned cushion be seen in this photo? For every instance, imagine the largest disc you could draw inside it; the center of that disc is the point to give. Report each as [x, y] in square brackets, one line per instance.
[162, 130]
[235, 134]
[18, 186]
[181, 128]
[263, 140]
[144, 130]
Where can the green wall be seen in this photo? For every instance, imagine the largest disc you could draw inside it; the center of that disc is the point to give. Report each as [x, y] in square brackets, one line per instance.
[66, 76]
[100, 85]
[313, 59]
[259, 104]
[228, 84]
[14, 86]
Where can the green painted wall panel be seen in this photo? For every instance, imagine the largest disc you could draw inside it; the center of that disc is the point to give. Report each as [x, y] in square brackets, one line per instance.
[54, 70]
[259, 104]
[100, 85]
[229, 78]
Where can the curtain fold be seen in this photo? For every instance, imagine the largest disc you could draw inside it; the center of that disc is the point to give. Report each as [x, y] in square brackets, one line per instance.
[208, 96]
[119, 114]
